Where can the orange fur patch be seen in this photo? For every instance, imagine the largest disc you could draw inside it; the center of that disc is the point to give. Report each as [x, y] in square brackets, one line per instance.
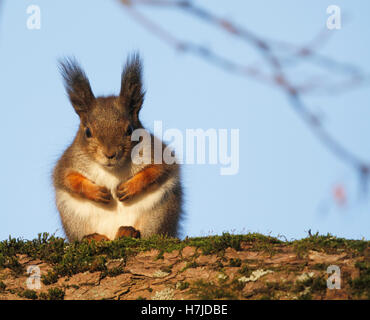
[82, 186]
[140, 181]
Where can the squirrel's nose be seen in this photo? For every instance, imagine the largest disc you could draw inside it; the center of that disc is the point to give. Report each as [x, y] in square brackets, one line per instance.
[110, 155]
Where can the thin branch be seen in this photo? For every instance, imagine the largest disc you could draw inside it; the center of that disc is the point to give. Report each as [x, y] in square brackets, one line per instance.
[202, 51]
[270, 51]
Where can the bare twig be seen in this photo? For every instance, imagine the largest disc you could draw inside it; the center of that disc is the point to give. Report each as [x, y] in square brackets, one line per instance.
[278, 56]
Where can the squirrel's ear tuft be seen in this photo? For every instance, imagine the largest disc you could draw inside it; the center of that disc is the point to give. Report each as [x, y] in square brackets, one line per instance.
[77, 85]
[132, 94]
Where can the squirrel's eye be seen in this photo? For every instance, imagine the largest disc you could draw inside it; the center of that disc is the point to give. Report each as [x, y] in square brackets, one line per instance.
[88, 133]
[129, 130]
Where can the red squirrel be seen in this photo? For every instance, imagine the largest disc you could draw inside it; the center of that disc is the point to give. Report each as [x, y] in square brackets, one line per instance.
[101, 193]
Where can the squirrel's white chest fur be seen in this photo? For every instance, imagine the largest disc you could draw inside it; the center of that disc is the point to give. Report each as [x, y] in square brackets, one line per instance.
[106, 219]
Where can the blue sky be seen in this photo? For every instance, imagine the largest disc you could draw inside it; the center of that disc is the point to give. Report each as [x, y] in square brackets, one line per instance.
[286, 176]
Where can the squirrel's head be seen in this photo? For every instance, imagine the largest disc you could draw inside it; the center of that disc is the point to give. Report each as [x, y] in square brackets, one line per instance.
[106, 123]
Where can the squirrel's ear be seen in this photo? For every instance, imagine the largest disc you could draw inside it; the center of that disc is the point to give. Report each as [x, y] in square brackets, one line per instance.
[132, 94]
[77, 85]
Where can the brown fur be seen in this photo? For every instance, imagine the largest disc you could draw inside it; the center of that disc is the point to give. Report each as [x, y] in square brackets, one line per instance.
[127, 232]
[95, 237]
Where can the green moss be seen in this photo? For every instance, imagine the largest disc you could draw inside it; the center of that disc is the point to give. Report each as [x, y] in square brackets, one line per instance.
[361, 285]
[237, 285]
[210, 291]
[73, 286]
[2, 260]
[190, 264]
[235, 262]
[316, 285]
[320, 266]
[285, 286]
[319, 285]
[28, 294]
[113, 272]
[182, 285]
[219, 243]
[217, 266]
[160, 255]
[13, 264]
[305, 296]
[52, 294]
[49, 278]
[298, 287]
[328, 243]
[245, 271]
[272, 290]
[167, 269]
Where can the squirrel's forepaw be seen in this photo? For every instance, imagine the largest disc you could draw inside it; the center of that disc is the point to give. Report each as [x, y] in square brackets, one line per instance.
[127, 232]
[99, 194]
[126, 190]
